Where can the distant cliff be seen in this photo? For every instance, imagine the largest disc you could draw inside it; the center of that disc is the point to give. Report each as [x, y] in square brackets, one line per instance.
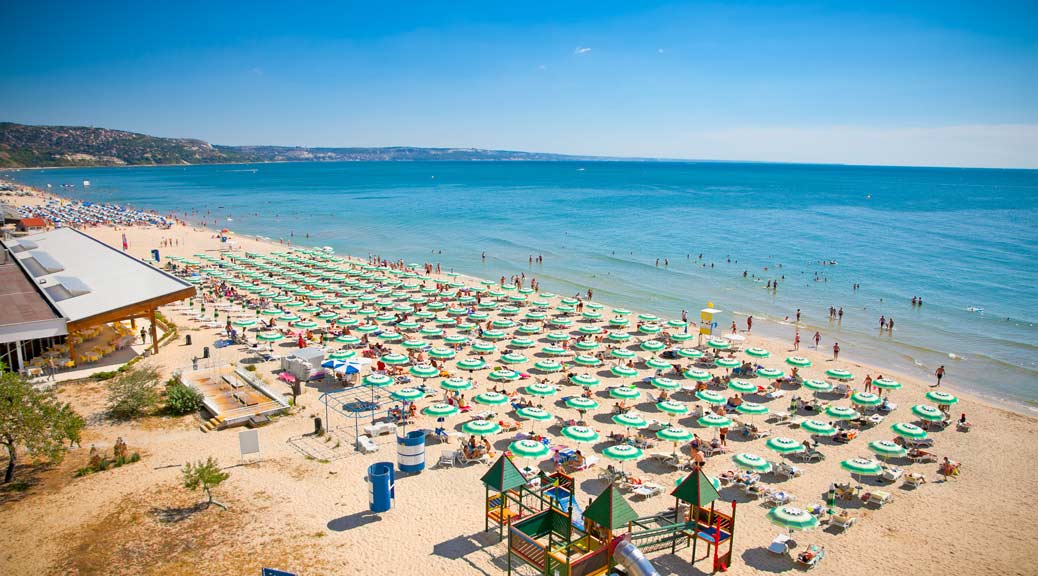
[24, 146]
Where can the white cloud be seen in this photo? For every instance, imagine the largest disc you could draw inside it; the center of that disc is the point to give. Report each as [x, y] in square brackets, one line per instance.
[974, 145]
[660, 51]
[581, 50]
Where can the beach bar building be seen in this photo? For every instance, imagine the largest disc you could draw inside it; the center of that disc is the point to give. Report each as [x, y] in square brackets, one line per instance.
[59, 285]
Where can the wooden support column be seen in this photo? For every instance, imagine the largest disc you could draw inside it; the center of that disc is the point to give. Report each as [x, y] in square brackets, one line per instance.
[133, 323]
[71, 347]
[154, 333]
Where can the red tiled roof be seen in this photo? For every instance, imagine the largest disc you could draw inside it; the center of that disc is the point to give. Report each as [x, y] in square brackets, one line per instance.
[33, 222]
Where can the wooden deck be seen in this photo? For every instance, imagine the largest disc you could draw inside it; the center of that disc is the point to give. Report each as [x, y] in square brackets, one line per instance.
[230, 397]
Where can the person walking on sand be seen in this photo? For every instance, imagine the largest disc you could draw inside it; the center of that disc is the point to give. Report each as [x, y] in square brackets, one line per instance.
[836, 351]
[818, 339]
[749, 324]
[796, 341]
[940, 374]
[868, 383]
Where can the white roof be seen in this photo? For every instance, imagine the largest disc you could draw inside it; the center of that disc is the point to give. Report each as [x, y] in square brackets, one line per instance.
[83, 277]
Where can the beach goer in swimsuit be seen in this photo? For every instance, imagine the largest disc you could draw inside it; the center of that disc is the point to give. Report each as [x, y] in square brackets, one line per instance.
[940, 374]
[836, 351]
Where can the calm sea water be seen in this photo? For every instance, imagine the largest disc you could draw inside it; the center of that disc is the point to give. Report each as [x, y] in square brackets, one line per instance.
[957, 238]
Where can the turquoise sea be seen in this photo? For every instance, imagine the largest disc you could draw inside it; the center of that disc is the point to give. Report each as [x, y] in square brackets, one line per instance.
[957, 238]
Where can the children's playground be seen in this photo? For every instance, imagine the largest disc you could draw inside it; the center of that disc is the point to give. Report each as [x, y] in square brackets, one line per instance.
[546, 528]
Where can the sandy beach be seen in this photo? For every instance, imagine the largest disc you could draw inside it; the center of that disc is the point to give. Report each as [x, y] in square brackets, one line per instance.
[310, 516]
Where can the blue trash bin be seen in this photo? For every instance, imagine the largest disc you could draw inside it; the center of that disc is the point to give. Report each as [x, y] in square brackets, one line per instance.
[410, 452]
[381, 489]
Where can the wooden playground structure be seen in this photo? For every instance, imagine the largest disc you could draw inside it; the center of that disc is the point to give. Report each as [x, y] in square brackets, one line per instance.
[547, 530]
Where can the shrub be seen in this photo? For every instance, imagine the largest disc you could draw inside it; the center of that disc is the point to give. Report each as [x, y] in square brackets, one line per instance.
[251, 367]
[181, 398]
[104, 375]
[133, 393]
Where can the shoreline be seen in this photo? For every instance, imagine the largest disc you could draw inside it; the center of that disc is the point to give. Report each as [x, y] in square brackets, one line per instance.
[771, 342]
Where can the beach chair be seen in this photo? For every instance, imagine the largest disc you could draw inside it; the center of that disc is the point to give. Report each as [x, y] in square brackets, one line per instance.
[892, 473]
[919, 442]
[589, 461]
[787, 470]
[780, 545]
[484, 415]
[877, 498]
[447, 459]
[509, 426]
[778, 417]
[482, 458]
[810, 557]
[963, 426]
[759, 433]
[810, 455]
[842, 520]
[648, 490]
[777, 498]
[920, 456]
[914, 480]
[754, 490]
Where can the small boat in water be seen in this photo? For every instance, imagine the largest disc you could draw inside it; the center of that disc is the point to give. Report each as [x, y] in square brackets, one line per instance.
[86, 183]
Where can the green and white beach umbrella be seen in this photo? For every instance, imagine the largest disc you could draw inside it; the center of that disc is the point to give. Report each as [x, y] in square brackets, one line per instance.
[841, 412]
[554, 350]
[866, 399]
[719, 343]
[413, 344]
[629, 420]
[558, 336]
[407, 394]
[347, 321]
[621, 353]
[521, 342]
[818, 427]
[698, 375]
[906, 430]
[456, 339]
[751, 409]
[480, 427]
[441, 352]
[528, 449]
[431, 331]
[887, 448]
[456, 384]
[547, 365]
[541, 389]
[650, 329]
[742, 386]
[690, 353]
[617, 336]
[424, 371]
[622, 452]
[586, 345]
[941, 397]
[839, 374]
[711, 420]
[580, 434]
[671, 407]
[484, 348]
[529, 329]
[886, 383]
[798, 361]
[623, 371]
[711, 397]
[395, 359]
[584, 380]
[674, 434]
[514, 358]
[342, 355]
[367, 328]
[770, 373]
[377, 380]
[682, 336]
[648, 317]
[818, 385]
[757, 352]
[751, 462]
[471, 364]
[347, 340]
[490, 398]
[621, 311]
[581, 403]
[652, 345]
[619, 322]
[928, 413]
[585, 360]
[665, 384]
[440, 410]
[727, 363]
[862, 466]
[270, 336]
[533, 413]
[792, 518]
[244, 323]
[625, 393]
[784, 445]
[495, 334]
[503, 375]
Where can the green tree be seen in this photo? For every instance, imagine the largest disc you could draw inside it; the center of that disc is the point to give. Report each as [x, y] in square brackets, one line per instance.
[31, 419]
[71, 424]
[134, 393]
[181, 398]
[205, 475]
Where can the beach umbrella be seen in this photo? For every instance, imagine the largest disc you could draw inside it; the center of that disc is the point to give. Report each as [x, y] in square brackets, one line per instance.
[887, 448]
[866, 399]
[751, 462]
[622, 453]
[711, 420]
[621, 311]
[591, 314]
[347, 340]
[906, 430]
[440, 410]
[784, 445]
[584, 380]
[719, 343]
[538, 316]
[619, 322]
[618, 336]
[547, 366]
[630, 420]
[521, 342]
[798, 361]
[347, 321]
[580, 434]
[886, 383]
[928, 413]
[697, 374]
[394, 359]
[377, 380]
[513, 358]
[471, 364]
[671, 407]
[665, 384]
[413, 344]
[581, 403]
[861, 466]
[367, 328]
[533, 414]
[682, 337]
[554, 350]
[558, 336]
[691, 353]
[541, 389]
[841, 412]
[407, 394]
[586, 345]
[288, 318]
[770, 373]
[818, 427]
[484, 348]
[742, 386]
[269, 336]
[621, 353]
[727, 363]
[623, 371]
[658, 364]
[751, 409]
[424, 371]
[940, 397]
[431, 331]
[818, 385]
[585, 360]
[674, 434]
[649, 329]
[441, 352]
[757, 352]
[245, 322]
[711, 397]
[625, 393]
[494, 334]
[676, 324]
[480, 427]
[839, 374]
[653, 345]
[561, 322]
[528, 449]
[456, 384]
[529, 329]
[792, 518]
[456, 339]
[490, 398]
[342, 355]
[503, 375]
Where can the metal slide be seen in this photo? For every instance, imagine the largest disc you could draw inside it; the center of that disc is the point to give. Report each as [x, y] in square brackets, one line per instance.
[631, 558]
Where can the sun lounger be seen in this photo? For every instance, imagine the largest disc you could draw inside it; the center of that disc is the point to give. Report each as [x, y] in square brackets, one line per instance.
[778, 498]
[892, 473]
[778, 417]
[759, 433]
[914, 480]
[963, 426]
[877, 498]
[754, 490]
[810, 557]
[842, 521]
[648, 490]
[810, 455]
[447, 458]
[780, 545]
[919, 456]
[484, 415]
[481, 458]
[787, 470]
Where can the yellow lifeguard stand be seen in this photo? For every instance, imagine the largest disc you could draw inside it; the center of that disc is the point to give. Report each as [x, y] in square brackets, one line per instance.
[706, 317]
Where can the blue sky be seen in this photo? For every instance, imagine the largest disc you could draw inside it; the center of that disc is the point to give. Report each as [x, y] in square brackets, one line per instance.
[923, 83]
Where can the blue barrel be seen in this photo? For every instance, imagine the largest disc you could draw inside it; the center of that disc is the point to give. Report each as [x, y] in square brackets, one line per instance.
[381, 479]
[410, 452]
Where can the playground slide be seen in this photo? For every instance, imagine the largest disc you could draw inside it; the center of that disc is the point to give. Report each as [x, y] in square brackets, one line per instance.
[563, 498]
[631, 558]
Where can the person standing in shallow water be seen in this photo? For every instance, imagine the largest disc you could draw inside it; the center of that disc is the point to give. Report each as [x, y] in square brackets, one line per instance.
[940, 374]
[749, 324]
[836, 351]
